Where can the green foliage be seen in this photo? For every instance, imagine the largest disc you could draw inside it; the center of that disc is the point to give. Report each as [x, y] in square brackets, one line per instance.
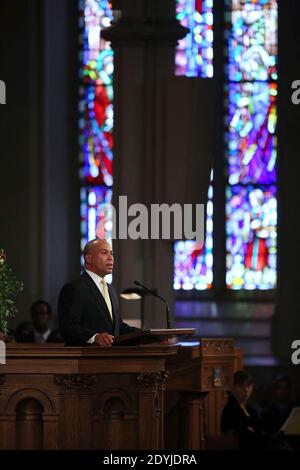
[9, 289]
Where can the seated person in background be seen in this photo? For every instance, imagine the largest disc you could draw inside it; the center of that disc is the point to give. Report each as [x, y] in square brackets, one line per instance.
[38, 331]
[41, 318]
[240, 418]
[275, 414]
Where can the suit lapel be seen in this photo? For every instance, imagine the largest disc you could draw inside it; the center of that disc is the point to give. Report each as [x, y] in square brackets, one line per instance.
[98, 297]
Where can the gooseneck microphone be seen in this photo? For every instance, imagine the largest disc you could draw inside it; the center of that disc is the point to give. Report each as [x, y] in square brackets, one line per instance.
[152, 292]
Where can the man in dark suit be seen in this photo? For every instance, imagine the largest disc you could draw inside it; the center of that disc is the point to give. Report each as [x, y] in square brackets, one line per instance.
[38, 330]
[88, 307]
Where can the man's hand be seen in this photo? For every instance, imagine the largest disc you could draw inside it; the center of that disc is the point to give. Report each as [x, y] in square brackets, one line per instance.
[169, 340]
[104, 340]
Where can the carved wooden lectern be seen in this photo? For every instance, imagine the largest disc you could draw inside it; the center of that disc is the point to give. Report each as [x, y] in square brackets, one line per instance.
[124, 397]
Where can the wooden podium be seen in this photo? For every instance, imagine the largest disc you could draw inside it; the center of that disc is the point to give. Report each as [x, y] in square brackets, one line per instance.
[124, 397]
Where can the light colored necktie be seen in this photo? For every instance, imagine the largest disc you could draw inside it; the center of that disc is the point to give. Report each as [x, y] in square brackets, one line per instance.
[106, 296]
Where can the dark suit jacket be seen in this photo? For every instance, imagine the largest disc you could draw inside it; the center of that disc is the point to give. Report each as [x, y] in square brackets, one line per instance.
[83, 312]
[234, 420]
[28, 337]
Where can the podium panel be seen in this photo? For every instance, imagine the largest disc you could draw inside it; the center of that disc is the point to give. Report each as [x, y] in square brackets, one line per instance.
[124, 397]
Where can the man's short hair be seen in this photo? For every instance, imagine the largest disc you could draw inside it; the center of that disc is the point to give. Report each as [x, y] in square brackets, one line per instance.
[240, 377]
[38, 302]
[282, 378]
[88, 247]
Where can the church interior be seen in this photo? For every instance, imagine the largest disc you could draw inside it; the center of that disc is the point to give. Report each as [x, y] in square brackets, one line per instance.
[157, 102]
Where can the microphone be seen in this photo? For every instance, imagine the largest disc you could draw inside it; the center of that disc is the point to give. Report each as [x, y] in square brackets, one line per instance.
[153, 292]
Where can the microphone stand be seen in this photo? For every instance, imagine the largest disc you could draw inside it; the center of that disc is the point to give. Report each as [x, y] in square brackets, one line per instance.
[159, 297]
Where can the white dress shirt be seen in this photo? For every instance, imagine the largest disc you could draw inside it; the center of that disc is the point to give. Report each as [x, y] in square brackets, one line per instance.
[98, 281]
[41, 337]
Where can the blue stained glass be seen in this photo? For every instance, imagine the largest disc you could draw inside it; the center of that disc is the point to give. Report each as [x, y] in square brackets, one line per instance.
[95, 213]
[252, 44]
[251, 144]
[251, 133]
[194, 53]
[246, 4]
[95, 52]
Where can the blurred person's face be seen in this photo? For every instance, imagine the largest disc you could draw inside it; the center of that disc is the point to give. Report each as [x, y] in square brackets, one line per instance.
[41, 318]
[242, 392]
[282, 392]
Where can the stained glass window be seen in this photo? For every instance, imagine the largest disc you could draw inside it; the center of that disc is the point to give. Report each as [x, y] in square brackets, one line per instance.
[252, 40]
[194, 54]
[250, 144]
[193, 265]
[95, 211]
[251, 243]
[251, 89]
[96, 118]
[251, 152]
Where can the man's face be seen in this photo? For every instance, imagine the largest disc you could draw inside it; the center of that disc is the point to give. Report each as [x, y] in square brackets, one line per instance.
[243, 391]
[282, 392]
[100, 260]
[41, 317]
